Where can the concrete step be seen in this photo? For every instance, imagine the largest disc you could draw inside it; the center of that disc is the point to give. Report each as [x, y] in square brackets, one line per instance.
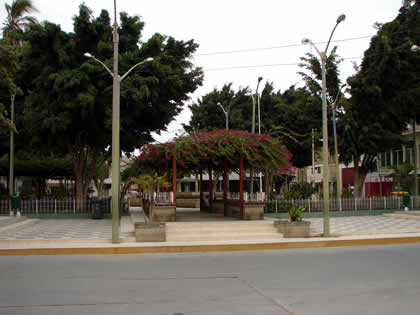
[223, 237]
[221, 231]
[220, 224]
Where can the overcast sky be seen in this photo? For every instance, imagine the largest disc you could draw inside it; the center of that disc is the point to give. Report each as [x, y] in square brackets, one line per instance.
[267, 34]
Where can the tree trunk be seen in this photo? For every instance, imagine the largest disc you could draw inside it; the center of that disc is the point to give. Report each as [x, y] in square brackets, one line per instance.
[84, 165]
[359, 178]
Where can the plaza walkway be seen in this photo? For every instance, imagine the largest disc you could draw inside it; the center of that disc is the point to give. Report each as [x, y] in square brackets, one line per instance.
[18, 233]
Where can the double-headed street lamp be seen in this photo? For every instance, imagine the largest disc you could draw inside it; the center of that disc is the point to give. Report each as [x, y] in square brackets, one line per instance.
[323, 56]
[226, 112]
[255, 100]
[115, 171]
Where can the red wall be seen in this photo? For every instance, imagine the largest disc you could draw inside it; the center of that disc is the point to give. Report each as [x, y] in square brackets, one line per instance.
[374, 189]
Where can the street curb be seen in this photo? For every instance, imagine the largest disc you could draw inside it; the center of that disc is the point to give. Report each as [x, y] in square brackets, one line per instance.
[207, 248]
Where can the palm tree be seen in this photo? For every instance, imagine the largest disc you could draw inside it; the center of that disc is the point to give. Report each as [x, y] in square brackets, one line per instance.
[16, 20]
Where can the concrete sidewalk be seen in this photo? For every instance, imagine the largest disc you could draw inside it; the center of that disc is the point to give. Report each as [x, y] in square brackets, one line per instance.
[81, 236]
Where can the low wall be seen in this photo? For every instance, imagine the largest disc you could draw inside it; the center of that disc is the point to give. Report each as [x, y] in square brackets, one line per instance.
[188, 195]
[187, 203]
[163, 212]
[218, 206]
[150, 232]
[252, 210]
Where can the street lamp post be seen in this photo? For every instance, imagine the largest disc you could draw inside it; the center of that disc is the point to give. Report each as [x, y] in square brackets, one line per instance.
[415, 48]
[259, 124]
[323, 56]
[12, 159]
[259, 111]
[254, 100]
[337, 165]
[115, 171]
[226, 112]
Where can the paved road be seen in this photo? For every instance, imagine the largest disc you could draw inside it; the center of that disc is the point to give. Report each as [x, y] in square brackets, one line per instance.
[355, 280]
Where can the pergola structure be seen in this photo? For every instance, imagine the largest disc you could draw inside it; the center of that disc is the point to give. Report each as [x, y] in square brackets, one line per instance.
[223, 151]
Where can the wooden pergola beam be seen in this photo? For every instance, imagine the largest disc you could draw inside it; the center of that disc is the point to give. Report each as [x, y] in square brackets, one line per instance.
[174, 181]
[241, 187]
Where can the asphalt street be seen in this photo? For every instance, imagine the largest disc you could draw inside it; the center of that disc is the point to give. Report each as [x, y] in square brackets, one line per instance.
[351, 280]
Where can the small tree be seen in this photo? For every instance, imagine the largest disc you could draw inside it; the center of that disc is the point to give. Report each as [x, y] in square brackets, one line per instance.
[402, 177]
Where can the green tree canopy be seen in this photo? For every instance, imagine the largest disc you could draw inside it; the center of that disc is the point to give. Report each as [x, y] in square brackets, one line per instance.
[17, 20]
[68, 97]
[385, 93]
[289, 116]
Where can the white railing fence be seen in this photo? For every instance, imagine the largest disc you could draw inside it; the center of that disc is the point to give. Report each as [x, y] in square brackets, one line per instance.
[56, 206]
[158, 197]
[248, 197]
[350, 204]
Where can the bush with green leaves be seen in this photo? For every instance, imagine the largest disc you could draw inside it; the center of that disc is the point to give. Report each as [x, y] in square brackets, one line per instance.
[299, 191]
[295, 213]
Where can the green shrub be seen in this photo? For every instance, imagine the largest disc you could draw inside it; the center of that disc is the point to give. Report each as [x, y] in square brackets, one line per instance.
[295, 213]
[299, 191]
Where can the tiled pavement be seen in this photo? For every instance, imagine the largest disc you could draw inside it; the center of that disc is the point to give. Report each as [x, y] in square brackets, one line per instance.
[366, 224]
[56, 229]
[64, 229]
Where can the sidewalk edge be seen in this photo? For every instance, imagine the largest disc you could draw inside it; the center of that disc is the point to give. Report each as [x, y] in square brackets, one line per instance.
[207, 248]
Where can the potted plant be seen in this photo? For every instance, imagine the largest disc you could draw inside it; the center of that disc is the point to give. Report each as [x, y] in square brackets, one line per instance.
[294, 227]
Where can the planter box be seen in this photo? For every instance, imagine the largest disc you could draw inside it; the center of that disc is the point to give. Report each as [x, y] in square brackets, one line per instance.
[150, 232]
[294, 229]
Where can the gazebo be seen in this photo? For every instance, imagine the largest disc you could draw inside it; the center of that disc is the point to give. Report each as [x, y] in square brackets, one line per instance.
[223, 151]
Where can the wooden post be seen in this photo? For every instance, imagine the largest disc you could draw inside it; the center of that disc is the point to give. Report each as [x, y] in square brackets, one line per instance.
[225, 188]
[241, 188]
[210, 190]
[174, 181]
[167, 176]
[201, 187]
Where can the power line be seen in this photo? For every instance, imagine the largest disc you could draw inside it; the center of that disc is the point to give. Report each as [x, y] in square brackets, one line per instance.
[266, 65]
[274, 47]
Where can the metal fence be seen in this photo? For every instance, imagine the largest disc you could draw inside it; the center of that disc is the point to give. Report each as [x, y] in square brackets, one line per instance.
[158, 197]
[351, 204]
[55, 206]
[258, 196]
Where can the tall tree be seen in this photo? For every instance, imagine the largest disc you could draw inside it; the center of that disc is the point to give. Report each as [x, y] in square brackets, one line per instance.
[289, 115]
[8, 69]
[68, 97]
[297, 112]
[385, 93]
[207, 115]
[17, 20]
